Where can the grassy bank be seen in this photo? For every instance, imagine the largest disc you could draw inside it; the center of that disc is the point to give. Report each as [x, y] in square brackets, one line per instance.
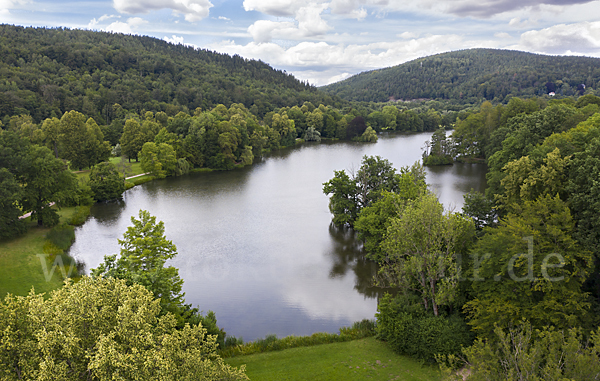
[364, 359]
[21, 266]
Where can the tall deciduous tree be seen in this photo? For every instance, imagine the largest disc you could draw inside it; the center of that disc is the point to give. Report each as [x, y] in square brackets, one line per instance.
[530, 267]
[45, 180]
[144, 252]
[421, 248]
[106, 182]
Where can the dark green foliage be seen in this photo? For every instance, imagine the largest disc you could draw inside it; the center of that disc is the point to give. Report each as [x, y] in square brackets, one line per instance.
[48, 72]
[106, 182]
[61, 236]
[521, 353]
[409, 329]
[469, 75]
[480, 209]
[10, 224]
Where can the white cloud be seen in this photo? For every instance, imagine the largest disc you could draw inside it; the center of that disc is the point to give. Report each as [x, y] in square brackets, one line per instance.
[193, 10]
[95, 22]
[503, 35]
[224, 18]
[407, 35]
[126, 27]
[322, 63]
[273, 7]
[579, 38]
[7, 5]
[309, 25]
[174, 39]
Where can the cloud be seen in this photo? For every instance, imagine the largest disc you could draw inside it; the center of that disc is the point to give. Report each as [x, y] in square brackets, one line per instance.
[95, 22]
[174, 39]
[322, 63]
[7, 5]
[125, 27]
[309, 25]
[193, 10]
[579, 38]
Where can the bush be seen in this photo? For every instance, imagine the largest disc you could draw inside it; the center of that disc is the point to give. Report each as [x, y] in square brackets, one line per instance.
[410, 330]
[61, 236]
[80, 215]
[359, 330]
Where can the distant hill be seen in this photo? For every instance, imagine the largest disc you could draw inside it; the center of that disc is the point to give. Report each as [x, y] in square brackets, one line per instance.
[44, 72]
[471, 75]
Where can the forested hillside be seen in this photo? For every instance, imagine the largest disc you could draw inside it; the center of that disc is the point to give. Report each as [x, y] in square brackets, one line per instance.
[45, 72]
[468, 75]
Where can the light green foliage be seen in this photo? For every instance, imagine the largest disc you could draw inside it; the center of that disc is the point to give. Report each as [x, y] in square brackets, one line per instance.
[530, 267]
[144, 251]
[102, 329]
[247, 157]
[520, 353]
[420, 251]
[106, 182]
[526, 180]
[158, 159]
[369, 136]
[132, 139]
[285, 128]
[73, 139]
[373, 221]
[51, 130]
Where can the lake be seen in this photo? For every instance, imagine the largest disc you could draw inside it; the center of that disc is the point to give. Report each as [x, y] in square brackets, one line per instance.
[255, 245]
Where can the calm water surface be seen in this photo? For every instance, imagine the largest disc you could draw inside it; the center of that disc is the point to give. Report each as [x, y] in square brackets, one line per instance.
[255, 245]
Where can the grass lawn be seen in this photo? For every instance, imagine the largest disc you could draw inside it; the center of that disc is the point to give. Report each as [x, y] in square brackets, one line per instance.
[365, 359]
[21, 268]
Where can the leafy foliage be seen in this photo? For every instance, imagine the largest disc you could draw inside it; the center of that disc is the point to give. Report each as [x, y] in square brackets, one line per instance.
[469, 75]
[106, 182]
[410, 330]
[99, 329]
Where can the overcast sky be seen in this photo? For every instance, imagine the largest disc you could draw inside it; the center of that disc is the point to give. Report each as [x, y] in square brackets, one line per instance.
[326, 41]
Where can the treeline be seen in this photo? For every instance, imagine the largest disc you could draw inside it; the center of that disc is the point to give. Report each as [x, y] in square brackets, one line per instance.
[513, 279]
[35, 158]
[47, 72]
[470, 75]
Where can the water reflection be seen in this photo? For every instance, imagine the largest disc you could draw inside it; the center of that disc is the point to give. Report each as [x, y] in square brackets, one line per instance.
[256, 245]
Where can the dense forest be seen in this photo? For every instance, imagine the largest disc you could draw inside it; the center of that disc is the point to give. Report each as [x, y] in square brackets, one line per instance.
[467, 76]
[45, 72]
[510, 286]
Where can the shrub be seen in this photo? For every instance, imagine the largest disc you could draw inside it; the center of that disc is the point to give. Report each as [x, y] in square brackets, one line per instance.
[61, 236]
[410, 330]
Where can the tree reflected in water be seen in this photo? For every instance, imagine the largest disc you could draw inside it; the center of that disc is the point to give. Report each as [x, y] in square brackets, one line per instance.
[348, 254]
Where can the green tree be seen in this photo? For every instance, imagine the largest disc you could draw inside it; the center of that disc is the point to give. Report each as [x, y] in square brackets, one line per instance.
[99, 329]
[73, 139]
[45, 180]
[144, 252]
[132, 139]
[106, 182]
[10, 194]
[421, 247]
[52, 130]
[530, 267]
